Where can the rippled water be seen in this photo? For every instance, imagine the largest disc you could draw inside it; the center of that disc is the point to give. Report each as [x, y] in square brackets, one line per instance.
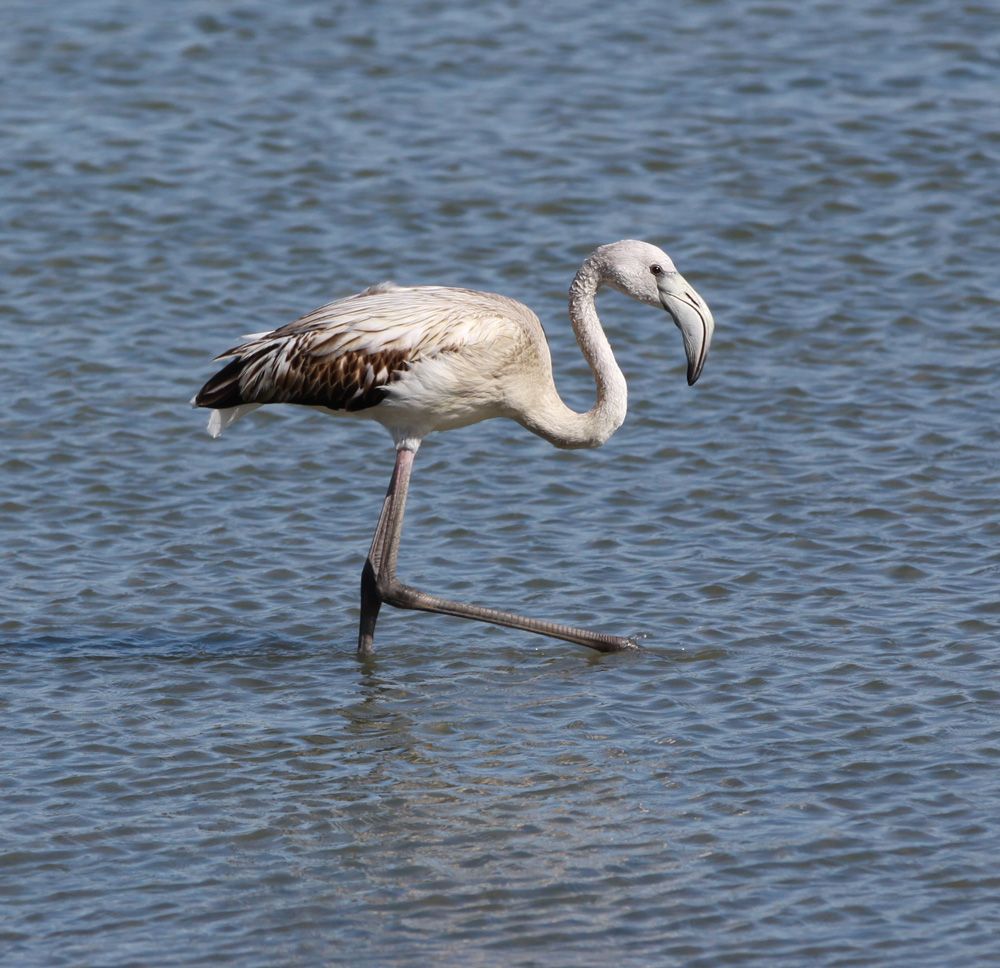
[800, 768]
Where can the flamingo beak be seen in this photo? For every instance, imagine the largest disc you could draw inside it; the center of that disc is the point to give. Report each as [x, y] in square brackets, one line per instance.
[693, 318]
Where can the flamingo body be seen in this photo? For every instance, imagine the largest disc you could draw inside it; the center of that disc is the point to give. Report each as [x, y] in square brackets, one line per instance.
[417, 359]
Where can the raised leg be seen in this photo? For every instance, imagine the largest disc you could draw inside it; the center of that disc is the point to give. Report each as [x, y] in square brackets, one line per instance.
[380, 584]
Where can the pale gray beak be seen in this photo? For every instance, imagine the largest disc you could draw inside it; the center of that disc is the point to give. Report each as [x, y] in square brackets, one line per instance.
[692, 316]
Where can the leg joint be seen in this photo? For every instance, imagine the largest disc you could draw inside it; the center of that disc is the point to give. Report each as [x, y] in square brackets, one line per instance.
[395, 593]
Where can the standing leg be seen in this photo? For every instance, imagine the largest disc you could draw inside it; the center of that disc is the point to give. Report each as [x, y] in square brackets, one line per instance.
[380, 584]
[370, 603]
[371, 598]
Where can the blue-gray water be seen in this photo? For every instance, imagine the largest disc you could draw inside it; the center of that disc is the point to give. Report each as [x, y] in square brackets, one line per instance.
[801, 768]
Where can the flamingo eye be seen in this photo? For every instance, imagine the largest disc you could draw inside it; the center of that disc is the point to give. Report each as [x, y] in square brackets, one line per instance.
[656, 269]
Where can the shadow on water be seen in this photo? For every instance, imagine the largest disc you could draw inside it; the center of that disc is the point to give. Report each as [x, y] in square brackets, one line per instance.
[432, 651]
[157, 644]
[242, 643]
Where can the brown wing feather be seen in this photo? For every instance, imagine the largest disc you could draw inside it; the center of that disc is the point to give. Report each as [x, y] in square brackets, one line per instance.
[291, 374]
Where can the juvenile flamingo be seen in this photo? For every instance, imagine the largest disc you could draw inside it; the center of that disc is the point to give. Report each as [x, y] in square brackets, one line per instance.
[418, 359]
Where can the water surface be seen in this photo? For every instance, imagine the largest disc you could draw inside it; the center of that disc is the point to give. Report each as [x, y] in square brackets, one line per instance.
[799, 768]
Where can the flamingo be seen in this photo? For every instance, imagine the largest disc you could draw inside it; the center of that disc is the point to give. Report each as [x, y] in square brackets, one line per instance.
[419, 359]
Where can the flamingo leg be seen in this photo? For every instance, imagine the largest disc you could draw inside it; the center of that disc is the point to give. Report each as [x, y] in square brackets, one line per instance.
[379, 583]
[371, 599]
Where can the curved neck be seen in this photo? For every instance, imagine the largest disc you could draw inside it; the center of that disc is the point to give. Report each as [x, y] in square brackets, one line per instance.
[556, 422]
